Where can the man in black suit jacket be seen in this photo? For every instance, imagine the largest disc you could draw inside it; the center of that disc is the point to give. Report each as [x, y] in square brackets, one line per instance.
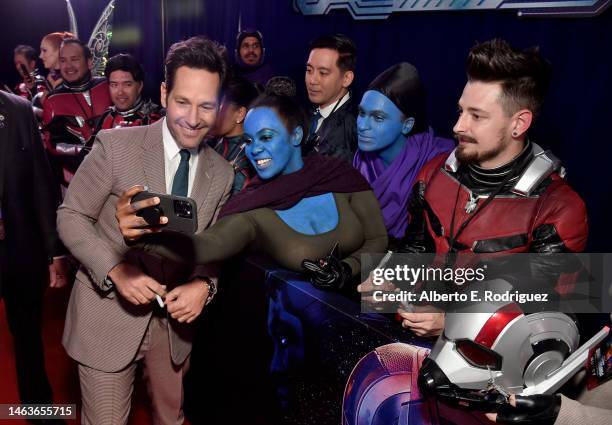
[330, 71]
[30, 249]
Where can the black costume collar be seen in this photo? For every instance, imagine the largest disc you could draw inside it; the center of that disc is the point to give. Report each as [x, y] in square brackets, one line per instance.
[79, 86]
[481, 178]
[130, 111]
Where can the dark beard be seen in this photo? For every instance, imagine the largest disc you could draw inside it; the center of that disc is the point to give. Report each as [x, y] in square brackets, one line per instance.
[479, 157]
[476, 157]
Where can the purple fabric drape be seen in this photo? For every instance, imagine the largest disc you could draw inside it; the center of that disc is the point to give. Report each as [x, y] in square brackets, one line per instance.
[320, 174]
[392, 185]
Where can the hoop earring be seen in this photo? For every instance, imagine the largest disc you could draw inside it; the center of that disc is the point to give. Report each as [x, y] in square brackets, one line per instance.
[515, 134]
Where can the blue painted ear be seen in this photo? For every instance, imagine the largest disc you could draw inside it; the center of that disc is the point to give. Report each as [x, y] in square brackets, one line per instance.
[407, 126]
[297, 135]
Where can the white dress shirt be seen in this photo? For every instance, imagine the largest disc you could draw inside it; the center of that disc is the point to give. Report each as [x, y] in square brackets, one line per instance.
[171, 163]
[326, 112]
[172, 159]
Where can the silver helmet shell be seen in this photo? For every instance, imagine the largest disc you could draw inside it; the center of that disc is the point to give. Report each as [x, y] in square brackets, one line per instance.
[516, 350]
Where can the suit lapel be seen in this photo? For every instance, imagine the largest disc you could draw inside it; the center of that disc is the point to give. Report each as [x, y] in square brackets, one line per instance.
[153, 158]
[202, 183]
[155, 174]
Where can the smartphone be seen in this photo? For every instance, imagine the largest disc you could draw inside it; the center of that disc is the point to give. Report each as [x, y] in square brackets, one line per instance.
[181, 212]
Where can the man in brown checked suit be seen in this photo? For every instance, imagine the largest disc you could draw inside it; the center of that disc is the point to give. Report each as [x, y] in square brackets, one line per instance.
[113, 321]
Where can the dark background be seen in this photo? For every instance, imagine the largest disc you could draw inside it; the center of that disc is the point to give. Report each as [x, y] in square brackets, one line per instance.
[575, 122]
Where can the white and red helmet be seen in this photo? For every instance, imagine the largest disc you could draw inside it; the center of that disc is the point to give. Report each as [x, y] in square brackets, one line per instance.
[521, 353]
[517, 353]
[514, 350]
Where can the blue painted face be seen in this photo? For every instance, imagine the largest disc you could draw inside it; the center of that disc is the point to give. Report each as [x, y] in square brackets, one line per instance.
[270, 147]
[380, 123]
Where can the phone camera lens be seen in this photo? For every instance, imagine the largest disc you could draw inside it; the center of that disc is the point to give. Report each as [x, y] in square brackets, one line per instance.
[183, 209]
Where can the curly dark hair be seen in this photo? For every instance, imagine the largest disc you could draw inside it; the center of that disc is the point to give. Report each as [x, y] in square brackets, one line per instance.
[281, 85]
[239, 91]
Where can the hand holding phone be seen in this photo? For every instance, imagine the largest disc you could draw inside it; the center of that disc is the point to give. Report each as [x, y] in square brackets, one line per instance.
[180, 212]
[140, 212]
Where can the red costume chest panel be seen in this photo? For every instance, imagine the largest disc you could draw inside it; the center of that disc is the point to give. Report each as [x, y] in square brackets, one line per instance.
[74, 104]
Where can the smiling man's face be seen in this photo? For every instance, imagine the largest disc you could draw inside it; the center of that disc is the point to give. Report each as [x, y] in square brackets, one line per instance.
[191, 105]
[483, 128]
[73, 64]
[124, 90]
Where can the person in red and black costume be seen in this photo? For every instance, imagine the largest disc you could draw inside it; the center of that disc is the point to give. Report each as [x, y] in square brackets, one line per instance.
[31, 81]
[497, 192]
[71, 112]
[125, 80]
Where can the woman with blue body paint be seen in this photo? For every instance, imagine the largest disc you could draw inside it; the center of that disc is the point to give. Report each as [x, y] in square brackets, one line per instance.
[296, 209]
[395, 141]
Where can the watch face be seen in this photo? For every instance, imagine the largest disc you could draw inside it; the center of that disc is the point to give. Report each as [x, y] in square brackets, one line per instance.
[212, 288]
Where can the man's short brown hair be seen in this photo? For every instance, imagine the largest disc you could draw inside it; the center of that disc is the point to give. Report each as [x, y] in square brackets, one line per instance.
[523, 74]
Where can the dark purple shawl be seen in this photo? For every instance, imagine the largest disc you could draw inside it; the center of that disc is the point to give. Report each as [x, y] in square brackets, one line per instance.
[320, 174]
[393, 185]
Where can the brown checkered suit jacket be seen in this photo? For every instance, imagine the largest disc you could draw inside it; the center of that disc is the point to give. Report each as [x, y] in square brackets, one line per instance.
[102, 330]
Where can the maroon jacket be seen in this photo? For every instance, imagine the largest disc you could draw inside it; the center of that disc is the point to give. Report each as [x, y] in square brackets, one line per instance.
[70, 117]
[550, 218]
[142, 113]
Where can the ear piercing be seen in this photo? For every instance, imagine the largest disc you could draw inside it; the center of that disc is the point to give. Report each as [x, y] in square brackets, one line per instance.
[515, 133]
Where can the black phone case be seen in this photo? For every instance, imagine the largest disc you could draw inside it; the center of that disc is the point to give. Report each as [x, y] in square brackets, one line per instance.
[180, 219]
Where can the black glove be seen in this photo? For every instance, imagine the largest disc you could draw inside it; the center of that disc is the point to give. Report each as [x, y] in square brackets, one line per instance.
[327, 272]
[483, 401]
[531, 410]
